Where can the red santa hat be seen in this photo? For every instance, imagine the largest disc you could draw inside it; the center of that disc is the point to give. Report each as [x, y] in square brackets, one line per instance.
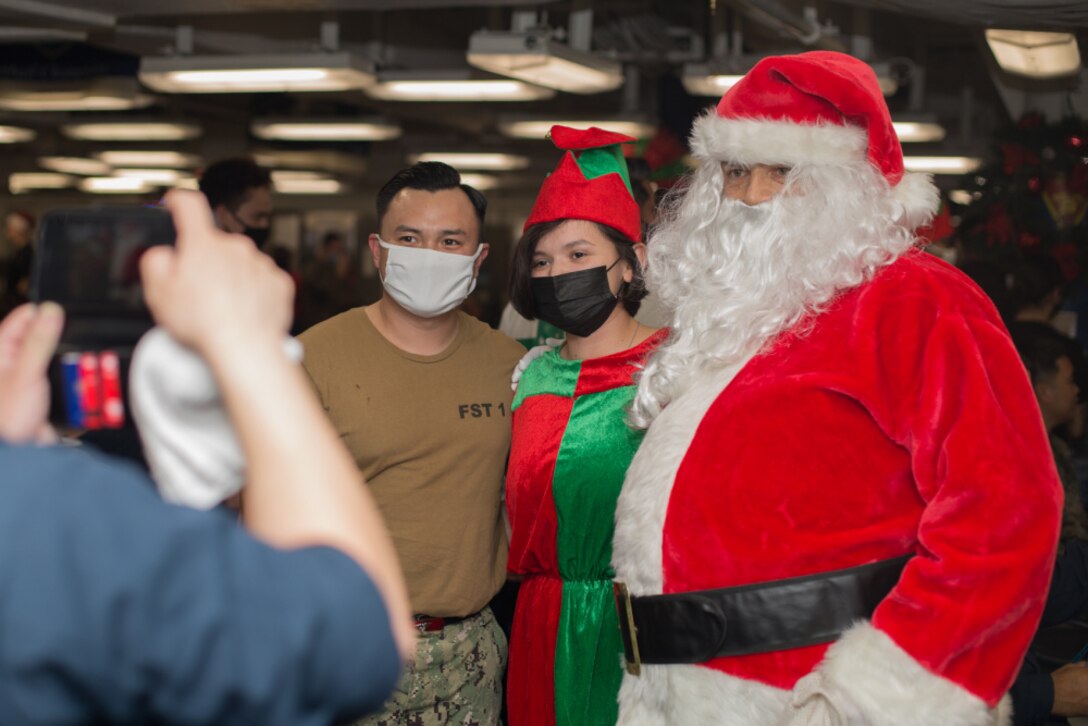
[817, 108]
[590, 182]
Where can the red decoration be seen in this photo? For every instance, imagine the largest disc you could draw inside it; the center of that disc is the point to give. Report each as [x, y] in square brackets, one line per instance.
[1076, 142]
[998, 226]
[1066, 255]
[940, 228]
[1014, 157]
[1030, 120]
[1027, 240]
[1035, 184]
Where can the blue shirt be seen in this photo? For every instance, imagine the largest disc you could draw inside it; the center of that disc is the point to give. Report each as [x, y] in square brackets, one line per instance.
[116, 607]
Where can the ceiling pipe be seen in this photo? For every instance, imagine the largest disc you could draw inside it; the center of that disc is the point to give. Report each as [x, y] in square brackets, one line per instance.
[66, 13]
[805, 29]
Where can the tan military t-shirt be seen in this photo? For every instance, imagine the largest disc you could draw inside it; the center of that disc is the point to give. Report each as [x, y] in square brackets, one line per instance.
[431, 435]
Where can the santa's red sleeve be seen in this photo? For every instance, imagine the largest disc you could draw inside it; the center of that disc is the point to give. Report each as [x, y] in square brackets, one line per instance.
[945, 645]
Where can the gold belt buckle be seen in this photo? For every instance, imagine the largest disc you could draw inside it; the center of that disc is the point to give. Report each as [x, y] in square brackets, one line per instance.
[628, 631]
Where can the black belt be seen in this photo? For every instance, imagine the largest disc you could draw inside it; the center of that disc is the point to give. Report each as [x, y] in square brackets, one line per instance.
[694, 627]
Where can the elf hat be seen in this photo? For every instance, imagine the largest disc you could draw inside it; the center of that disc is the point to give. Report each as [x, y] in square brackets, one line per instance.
[816, 108]
[590, 183]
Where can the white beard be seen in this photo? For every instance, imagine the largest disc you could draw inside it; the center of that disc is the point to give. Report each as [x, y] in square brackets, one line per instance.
[734, 276]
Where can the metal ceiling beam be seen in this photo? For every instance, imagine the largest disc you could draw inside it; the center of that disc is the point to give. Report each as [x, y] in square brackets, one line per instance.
[70, 15]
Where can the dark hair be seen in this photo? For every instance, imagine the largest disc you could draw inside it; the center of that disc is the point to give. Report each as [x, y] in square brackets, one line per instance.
[227, 182]
[521, 292]
[330, 237]
[638, 171]
[1035, 276]
[1040, 351]
[429, 176]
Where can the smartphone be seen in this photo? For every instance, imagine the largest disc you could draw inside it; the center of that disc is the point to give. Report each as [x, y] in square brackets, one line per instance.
[88, 261]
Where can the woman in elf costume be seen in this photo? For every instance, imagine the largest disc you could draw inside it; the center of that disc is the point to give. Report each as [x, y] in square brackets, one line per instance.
[578, 266]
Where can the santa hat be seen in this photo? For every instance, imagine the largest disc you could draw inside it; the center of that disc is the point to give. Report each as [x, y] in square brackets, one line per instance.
[590, 183]
[817, 108]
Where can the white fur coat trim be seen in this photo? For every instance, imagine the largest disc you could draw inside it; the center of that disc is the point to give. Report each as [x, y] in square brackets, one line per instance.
[864, 680]
[644, 499]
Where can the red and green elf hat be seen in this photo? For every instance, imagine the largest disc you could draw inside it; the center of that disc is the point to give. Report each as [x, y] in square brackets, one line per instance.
[590, 183]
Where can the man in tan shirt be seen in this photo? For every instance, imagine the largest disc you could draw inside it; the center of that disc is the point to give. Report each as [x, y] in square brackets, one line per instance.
[420, 394]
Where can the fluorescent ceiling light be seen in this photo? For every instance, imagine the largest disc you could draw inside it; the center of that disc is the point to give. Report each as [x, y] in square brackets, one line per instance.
[718, 76]
[114, 185]
[101, 94]
[257, 73]
[941, 164]
[16, 135]
[482, 182]
[288, 175]
[285, 130]
[151, 176]
[325, 160]
[961, 196]
[22, 182]
[488, 161]
[538, 128]
[453, 86]
[74, 165]
[1035, 54]
[188, 182]
[307, 186]
[170, 159]
[701, 79]
[536, 58]
[918, 131]
[131, 131]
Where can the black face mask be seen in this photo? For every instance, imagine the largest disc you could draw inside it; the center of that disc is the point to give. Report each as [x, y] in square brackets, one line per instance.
[576, 302]
[259, 235]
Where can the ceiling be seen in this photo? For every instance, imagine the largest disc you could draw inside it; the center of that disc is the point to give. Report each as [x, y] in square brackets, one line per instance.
[934, 46]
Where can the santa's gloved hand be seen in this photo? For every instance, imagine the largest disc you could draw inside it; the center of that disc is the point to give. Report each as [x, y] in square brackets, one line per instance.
[532, 355]
[189, 441]
[812, 705]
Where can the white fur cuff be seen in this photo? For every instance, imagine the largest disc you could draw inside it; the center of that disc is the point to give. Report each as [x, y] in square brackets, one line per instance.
[866, 678]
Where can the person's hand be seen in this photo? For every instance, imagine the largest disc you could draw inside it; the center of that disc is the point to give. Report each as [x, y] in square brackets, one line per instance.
[1071, 690]
[214, 291]
[532, 354]
[28, 337]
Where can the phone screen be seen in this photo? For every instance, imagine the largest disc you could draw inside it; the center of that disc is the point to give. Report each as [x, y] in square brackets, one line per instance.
[88, 261]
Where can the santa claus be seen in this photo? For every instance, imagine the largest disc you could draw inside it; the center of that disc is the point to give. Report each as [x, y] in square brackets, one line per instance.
[844, 510]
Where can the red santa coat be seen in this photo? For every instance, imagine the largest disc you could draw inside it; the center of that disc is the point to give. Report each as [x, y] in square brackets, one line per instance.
[900, 420]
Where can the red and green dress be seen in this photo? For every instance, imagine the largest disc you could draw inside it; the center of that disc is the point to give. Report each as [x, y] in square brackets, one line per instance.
[571, 448]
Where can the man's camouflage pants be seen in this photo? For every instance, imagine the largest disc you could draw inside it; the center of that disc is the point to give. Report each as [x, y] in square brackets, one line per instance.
[456, 678]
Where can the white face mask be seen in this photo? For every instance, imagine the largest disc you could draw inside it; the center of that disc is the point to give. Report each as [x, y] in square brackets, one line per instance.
[426, 282]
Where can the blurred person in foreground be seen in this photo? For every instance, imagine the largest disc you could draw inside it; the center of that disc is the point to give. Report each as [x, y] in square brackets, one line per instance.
[119, 608]
[844, 510]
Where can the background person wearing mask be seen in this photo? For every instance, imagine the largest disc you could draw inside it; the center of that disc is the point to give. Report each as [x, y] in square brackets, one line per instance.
[420, 393]
[19, 234]
[119, 608]
[240, 195]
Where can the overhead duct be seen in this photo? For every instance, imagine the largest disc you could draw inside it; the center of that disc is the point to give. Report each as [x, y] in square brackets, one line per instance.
[805, 29]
